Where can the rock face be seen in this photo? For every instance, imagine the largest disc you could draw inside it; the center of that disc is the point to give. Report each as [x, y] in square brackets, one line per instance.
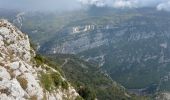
[163, 96]
[128, 49]
[19, 19]
[19, 79]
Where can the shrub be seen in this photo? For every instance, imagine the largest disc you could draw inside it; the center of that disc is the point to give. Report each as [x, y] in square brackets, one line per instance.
[53, 79]
[64, 85]
[46, 81]
[56, 79]
[79, 98]
[87, 93]
[39, 59]
[43, 60]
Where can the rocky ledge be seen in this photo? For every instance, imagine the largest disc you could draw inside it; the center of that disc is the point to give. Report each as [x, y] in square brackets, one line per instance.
[19, 71]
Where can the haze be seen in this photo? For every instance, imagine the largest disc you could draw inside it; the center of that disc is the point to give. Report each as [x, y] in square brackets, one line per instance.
[60, 5]
[42, 5]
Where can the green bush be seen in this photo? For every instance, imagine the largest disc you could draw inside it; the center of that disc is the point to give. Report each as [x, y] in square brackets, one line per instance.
[46, 81]
[64, 85]
[39, 59]
[52, 80]
[43, 60]
[56, 79]
[79, 98]
[87, 93]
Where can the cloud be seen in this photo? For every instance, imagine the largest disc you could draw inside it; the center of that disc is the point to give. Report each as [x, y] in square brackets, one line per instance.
[125, 4]
[159, 4]
[99, 3]
[164, 6]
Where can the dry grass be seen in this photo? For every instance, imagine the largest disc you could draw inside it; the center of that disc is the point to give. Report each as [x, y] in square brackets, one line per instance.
[1, 55]
[1, 79]
[2, 64]
[34, 97]
[11, 72]
[5, 91]
[23, 82]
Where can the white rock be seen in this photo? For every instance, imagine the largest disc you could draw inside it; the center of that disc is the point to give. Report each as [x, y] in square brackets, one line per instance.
[16, 61]
[33, 86]
[14, 65]
[4, 74]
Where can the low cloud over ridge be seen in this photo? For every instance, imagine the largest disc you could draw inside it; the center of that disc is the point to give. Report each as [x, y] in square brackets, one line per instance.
[159, 4]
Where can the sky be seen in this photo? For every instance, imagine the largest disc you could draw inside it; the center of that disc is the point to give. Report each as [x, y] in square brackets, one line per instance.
[46, 5]
[59, 5]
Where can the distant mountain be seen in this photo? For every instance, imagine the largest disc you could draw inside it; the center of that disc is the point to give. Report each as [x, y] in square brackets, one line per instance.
[132, 46]
[27, 75]
[8, 14]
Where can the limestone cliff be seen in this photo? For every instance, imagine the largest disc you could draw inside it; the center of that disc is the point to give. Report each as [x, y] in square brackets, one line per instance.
[20, 75]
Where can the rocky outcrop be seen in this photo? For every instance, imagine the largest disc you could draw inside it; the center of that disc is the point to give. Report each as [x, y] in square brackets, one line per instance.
[163, 96]
[19, 71]
[85, 28]
[19, 19]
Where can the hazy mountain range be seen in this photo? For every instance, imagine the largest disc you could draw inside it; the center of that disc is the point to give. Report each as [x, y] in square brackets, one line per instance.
[127, 49]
